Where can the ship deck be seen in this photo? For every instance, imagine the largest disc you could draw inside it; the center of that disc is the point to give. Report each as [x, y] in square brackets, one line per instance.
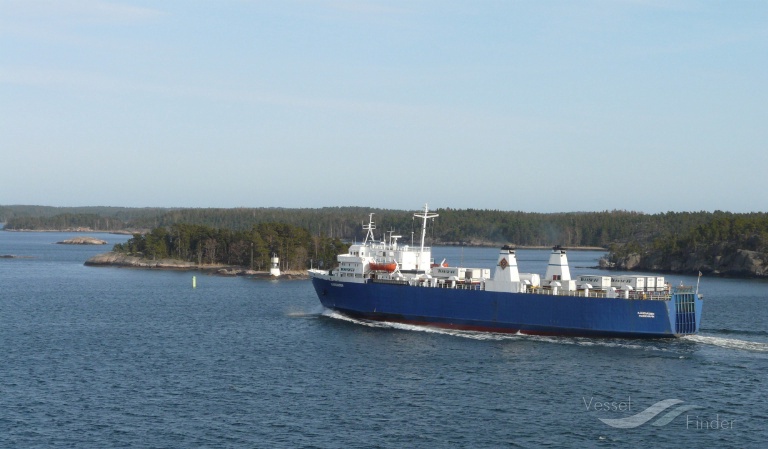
[662, 295]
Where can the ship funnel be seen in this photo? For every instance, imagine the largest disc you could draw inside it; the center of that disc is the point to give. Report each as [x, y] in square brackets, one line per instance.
[506, 278]
[506, 268]
[558, 270]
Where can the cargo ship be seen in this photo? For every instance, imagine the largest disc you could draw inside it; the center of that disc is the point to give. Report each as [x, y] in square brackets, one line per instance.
[386, 281]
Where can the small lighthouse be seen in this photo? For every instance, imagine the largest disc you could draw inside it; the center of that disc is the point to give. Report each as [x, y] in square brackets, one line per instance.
[274, 265]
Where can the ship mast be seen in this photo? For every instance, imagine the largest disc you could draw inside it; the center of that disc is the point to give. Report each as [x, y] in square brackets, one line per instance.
[369, 227]
[424, 216]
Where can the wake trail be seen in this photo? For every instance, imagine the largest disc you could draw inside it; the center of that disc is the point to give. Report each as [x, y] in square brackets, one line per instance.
[729, 343]
[491, 336]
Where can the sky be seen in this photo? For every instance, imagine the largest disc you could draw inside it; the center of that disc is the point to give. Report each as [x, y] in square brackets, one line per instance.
[536, 106]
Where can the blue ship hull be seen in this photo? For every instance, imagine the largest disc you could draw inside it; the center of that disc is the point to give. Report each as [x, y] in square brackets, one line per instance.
[527, 313]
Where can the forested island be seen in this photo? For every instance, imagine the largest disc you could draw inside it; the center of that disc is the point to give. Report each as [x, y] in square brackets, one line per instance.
[198, 246]
[727, 244]
[720, 243]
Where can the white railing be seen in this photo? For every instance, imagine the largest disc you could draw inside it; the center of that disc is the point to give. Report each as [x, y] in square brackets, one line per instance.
[637, 295]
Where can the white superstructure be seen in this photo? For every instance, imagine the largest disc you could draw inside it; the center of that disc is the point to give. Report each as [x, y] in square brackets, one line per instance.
[386, 261]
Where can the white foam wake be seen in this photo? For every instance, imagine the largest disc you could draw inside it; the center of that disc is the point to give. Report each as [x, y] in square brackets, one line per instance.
[491, 336]
[412, 327]
[729, 343]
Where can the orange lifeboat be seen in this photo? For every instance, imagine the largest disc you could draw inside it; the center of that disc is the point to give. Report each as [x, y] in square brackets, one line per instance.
[443, 264]
[388, 267]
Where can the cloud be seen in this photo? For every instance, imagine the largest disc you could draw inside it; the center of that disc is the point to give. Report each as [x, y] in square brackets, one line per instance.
[77, 10]
[363, 7]
[46, 77]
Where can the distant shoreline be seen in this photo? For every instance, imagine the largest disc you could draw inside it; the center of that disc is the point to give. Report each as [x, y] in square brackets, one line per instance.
[113, 259]
[83, 230]
[451, 244]
[499, 245]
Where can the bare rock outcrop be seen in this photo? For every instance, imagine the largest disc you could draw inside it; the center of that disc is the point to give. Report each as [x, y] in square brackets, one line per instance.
[114, 259]
[123, 260]
[717, 259]
[83, 241]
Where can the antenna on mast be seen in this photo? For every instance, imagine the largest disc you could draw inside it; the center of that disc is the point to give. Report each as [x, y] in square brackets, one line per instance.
[369, 227]
[424, 216]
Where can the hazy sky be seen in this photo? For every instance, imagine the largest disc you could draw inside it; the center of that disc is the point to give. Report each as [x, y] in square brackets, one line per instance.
[542, 106]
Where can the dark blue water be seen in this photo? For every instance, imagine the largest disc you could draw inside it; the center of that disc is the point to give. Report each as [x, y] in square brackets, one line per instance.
[109, 357]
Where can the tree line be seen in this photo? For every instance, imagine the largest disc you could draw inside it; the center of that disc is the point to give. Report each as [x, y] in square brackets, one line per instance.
[722, 234]
[66, 221]
[454, 226]
[295, 246]
[9, 213]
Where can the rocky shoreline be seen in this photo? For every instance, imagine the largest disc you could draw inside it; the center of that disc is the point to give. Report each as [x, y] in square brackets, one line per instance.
[113, 259]
[83, 241]
[488, 244]
[717, 261]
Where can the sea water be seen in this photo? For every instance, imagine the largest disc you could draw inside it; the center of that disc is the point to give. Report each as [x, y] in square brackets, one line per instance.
[108, 357]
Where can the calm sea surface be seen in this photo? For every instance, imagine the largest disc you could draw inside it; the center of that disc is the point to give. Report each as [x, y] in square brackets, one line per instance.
[110, 357]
